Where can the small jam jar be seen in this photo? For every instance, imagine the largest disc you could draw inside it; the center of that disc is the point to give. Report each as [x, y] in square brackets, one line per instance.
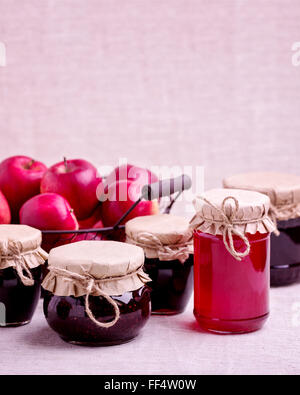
[168, 245]
[284, 193]
[95, 292]
[21, 258]
[232, 258]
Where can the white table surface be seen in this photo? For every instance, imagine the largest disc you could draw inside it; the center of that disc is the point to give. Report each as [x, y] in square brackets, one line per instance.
[167, 345]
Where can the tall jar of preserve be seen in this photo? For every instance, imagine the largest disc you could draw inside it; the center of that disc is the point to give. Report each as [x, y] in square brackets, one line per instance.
[168, 245]
[232, 258]
[96, 292]
[284, 193]
[21, 258]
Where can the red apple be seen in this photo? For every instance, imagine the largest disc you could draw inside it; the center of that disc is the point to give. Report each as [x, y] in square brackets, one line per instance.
[131, 173]
[120, 197]
[20, 178]
[92, 220]
[48, 211]
[5, 216]
[76, 180]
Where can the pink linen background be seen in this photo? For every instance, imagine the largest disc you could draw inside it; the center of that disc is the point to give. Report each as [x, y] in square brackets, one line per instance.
[164, 82]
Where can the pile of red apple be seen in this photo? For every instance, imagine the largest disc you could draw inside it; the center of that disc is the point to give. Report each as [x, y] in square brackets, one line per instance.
[70, 195]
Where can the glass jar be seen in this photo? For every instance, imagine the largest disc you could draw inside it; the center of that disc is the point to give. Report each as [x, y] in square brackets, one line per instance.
[285, 253]
[231, 297]
[21, 258]
[19, 301]
[232, 261]
[66, 315]
[167, 244]
[95, 292]
[284, 193]
[172, 285]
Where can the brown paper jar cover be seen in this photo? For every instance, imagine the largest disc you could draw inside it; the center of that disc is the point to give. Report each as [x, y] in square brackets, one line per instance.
[251, 215]
[115, 267]
[163, 236]
[21, 245]
[282, 189]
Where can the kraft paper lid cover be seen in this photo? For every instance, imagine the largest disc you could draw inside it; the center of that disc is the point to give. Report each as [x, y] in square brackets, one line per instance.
[163, 236]
[282, 189]
[20, 248]
[245, 211]
[115, 268]
[21, 243]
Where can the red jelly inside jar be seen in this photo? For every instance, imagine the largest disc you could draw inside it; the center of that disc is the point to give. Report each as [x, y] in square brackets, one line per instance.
[231, 296]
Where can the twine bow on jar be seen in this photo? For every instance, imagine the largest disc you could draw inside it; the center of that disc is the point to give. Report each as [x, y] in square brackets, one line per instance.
[91, 285]
[13, 252]
[228, 223]
[146, 240]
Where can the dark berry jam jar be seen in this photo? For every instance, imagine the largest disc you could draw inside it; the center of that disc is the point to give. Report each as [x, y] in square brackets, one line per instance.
[172, 285]
[20, 273]
[18, 301]
[66, 315]
[285, 253]
[232, 261]
[284, 193]
[167, 243]
[95, 292]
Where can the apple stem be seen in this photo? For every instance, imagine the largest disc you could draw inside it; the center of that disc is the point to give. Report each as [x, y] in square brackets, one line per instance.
[66, 163]
[28, 166]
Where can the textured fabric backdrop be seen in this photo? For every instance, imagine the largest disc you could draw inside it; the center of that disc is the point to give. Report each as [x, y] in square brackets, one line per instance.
[194, 82]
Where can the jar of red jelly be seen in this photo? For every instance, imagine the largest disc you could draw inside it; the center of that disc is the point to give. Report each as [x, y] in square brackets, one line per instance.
[284, 193]
[96, 293]
[168, 245]
[232, 258]
[21, 258]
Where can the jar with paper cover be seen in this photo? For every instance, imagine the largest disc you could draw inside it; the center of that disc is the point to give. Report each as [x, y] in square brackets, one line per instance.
[232, 260]
[284, 193]
[21, 257]
[167, 241]
[96, 292]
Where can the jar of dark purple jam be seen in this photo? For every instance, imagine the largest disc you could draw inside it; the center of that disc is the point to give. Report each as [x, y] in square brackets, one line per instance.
[284, 193]
[167, 243]
[66, 315]
[96, 292]
[18, 301]
[21, 258]
[285, 253]
[172, 285]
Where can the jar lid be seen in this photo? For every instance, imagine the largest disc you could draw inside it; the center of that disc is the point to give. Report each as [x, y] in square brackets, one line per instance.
[116, 267]
[282, 189]
[20, 248]
[232, 212]
[97, 268]
[163, 236]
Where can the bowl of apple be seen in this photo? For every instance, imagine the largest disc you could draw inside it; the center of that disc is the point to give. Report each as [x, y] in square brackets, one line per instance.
[71, 202]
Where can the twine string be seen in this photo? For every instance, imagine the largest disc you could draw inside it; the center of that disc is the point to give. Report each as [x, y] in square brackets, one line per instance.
[228, 222]
[90, 285]
[21, 265]
[180, 251]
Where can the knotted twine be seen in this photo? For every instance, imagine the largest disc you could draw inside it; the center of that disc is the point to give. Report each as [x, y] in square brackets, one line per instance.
[228, 223]
[91, 285]
[173, 252]
[14, 252]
